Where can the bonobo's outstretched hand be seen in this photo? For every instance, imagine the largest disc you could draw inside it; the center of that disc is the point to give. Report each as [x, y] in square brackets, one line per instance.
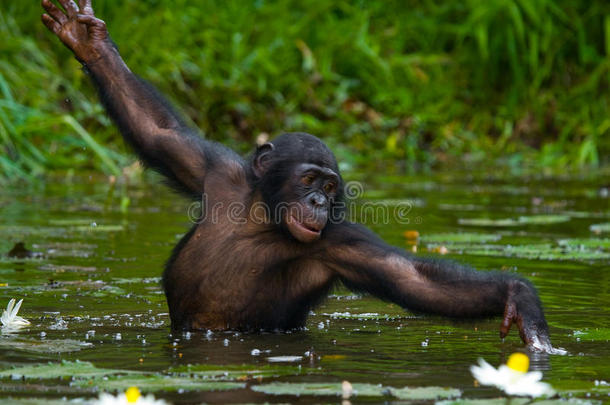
[365, 263]
[524, 309]
[77, 28]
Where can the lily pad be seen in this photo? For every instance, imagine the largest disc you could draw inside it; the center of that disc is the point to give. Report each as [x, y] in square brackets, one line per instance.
[514, 401]
[491, 401]
[157, 382]
[600, 228]
[99, 228]
[502, 222]
[425, 393]
[284, 359]
[71, 222]
[540, 252]
[318, 389]
[523, 220]
[360, 390]
[42, 401]
[463, 237]
[590, 243]
[543, 219]
[243, 372]
[23, 230]
[601, 334]
[76, 369]
[374, 316]
[44, 346]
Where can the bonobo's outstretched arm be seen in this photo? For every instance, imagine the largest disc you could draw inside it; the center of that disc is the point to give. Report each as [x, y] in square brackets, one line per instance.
[146, 121]
[366, 263]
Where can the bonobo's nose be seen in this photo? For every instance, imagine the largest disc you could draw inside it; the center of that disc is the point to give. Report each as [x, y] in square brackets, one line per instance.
[317, 200]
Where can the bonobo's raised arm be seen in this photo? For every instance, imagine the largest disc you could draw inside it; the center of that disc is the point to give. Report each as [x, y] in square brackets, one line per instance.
[146, 121]
[365, 263]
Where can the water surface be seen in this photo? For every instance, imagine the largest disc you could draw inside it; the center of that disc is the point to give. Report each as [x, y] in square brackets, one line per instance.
[94, 294]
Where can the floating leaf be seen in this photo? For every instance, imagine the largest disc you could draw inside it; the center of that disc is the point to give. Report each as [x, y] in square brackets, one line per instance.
[361, 390]
[44, 346]
[364, 316]
[593, 334]
[317, 389]
[156, 382]
[41, 401]
[492, 401]
[23, 230]
[425, 393]
[488, 222]
[600, 228]
[137, 280]
[507, 222]
[284, 359]
[543, 219]
[514, 401]
[99, 228]
[463, 237]
[241, 372]
[71, 222]
[76, 369]
[590, 243]
[540, 252]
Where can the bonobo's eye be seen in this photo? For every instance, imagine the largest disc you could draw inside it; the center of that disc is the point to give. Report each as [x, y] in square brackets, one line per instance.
[330, 187]
[308, 179]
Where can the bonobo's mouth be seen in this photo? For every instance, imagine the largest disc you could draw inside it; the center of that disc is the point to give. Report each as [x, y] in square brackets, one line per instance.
[303, 231]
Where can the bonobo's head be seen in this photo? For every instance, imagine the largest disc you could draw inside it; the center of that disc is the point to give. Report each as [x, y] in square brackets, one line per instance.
[298, 178]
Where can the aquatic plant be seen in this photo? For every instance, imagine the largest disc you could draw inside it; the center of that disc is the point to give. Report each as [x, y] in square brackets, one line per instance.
[10, 319]
[512, 377]
[131, 396]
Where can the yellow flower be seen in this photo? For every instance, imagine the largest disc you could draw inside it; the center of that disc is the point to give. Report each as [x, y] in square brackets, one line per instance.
[131, 396]
[513, 377]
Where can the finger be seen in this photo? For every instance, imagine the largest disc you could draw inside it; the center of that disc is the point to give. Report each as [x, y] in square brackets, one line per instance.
[90, 20]
[505, 327]
[527, 334]
[54, 12]
[51, 24]
[85, 7]
[70, 7]
[97, 27]
[507, 321]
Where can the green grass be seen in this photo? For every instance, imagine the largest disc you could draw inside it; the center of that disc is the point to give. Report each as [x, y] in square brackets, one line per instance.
[419, 82]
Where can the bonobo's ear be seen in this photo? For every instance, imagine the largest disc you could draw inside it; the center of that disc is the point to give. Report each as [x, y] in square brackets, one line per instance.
[262, 159]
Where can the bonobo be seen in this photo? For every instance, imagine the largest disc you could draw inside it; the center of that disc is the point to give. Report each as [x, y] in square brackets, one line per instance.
[264, 269]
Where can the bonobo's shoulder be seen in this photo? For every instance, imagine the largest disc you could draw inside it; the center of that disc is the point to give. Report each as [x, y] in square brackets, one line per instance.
[224, 163]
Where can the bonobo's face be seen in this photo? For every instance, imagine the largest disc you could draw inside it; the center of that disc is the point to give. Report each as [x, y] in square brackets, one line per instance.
[298, 178]
[312, 192]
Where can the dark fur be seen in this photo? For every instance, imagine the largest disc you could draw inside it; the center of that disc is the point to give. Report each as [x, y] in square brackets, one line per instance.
[252, 276]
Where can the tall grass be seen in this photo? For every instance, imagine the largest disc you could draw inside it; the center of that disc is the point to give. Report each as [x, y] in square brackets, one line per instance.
[416, 82]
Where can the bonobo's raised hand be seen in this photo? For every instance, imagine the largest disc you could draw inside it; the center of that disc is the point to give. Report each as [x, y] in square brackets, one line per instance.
[78, 28]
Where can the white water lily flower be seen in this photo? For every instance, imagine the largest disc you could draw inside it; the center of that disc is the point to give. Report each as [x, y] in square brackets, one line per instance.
[131, 396]
[10, 319]
[513, 377]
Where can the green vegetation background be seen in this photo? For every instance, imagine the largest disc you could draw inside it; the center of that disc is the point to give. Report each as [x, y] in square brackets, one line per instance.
[419, 83]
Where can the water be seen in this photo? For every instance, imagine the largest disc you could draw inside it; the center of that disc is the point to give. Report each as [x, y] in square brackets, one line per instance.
[94, 295]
